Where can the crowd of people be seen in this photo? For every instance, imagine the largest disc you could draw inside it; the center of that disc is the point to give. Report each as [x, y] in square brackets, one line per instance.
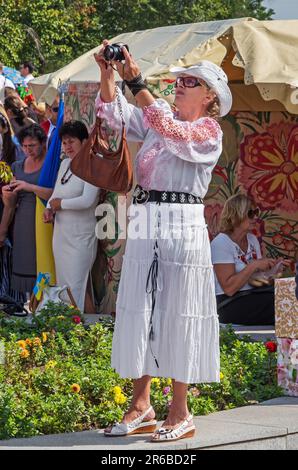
[26, 136]
[170, 297]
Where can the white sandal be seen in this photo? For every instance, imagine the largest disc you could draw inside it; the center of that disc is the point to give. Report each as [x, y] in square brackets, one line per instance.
[137, 426]
[181, 432]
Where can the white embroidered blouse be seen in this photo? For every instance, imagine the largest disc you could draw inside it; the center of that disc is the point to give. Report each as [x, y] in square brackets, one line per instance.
[175, 155]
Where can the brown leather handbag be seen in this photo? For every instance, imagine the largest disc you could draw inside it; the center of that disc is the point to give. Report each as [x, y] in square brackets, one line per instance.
[102, 167]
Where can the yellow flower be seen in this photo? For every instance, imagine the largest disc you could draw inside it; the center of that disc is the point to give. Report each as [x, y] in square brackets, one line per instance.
[221, 376]
[117, 390]
[169, 382]
[28, 342]
[61, 317]
[51, 365]
[44, 337]
[37, 342]
[120, 399]
[22, 343]
[155, 380]
[75, 388]
[24, 354]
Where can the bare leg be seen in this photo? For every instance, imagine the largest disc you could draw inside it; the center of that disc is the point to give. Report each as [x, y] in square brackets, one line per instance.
[177, 417]
[178, 410]
[140, 401]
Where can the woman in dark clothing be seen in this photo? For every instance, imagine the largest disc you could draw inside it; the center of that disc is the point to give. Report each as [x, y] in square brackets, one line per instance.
[20, 199]
[8, 155]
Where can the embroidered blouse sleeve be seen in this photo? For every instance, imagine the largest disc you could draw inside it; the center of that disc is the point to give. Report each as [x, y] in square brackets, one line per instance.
[86, 200]
[198, 142]
[133, 117]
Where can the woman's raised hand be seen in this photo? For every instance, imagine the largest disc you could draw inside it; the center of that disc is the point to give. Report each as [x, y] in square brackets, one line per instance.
[129, 69]
[105, 67]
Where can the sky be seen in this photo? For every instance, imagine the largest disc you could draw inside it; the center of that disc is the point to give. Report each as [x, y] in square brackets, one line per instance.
[284, 9]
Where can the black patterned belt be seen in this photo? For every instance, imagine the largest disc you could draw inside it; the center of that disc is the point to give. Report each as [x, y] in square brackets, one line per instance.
[141, 196]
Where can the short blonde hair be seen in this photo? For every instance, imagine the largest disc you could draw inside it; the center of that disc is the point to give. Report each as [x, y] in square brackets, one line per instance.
[213, 110]
[234, 212]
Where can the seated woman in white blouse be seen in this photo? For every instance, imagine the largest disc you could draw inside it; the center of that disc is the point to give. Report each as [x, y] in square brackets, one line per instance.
[236, 256]
[73, 204]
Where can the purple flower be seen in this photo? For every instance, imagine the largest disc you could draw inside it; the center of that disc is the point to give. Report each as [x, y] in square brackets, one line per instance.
[166, 390]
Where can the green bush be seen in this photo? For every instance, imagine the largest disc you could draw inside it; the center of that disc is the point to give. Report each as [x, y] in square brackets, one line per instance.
[57, 376]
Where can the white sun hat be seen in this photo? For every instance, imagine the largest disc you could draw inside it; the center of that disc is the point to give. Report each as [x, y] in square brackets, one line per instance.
[215, 78]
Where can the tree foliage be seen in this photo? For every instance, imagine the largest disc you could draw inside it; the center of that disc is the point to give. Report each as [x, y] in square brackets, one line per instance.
[51, 33]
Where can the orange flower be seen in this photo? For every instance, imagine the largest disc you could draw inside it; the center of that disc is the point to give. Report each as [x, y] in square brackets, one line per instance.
[28, 342]
[37, 342]
[75, 388]
[24, 354]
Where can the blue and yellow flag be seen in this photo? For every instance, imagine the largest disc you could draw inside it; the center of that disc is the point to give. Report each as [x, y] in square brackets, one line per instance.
[44, 232]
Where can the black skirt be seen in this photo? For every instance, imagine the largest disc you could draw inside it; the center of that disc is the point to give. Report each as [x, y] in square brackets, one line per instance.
[250, 307]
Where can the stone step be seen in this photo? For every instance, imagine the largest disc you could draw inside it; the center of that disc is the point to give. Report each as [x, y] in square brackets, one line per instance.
[270, 425]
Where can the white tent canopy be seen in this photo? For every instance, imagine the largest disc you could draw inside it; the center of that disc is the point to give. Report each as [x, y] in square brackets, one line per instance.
[262, 54]
[154, 49]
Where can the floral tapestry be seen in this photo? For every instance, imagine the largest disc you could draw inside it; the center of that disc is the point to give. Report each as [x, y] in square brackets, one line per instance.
[259, 158]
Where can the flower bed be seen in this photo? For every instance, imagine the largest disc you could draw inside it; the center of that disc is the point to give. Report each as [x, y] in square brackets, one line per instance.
[57, 378]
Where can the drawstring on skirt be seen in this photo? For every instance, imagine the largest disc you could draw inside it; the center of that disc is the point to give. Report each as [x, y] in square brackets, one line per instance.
[151, 288]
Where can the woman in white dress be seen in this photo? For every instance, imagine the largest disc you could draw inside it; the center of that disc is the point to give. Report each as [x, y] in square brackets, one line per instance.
[73, 204]
[166, 319]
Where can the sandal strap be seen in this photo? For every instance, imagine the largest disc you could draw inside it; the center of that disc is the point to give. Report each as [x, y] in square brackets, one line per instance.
[139, 419]
[166, 433]
[125, 428]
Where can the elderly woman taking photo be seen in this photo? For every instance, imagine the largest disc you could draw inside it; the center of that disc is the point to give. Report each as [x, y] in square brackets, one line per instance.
[239, 266]
[166, 320]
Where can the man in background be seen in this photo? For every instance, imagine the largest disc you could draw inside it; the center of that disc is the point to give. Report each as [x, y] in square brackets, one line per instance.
[26, 70]
[50, 124]
[4, 83]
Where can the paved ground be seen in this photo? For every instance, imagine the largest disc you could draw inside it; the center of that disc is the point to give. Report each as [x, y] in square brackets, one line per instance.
[270, 425]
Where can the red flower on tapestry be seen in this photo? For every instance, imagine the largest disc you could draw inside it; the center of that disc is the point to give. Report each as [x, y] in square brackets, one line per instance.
[277, 239]
[268, 166]
[286, 229]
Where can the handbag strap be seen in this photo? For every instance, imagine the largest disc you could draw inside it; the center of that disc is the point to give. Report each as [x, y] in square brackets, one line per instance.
[120, 106]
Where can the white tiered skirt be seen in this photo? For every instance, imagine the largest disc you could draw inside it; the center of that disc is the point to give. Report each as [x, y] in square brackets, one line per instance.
[185, 322]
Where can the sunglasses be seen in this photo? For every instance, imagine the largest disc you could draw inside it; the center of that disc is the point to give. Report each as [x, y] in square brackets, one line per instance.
[253, 213]
[55, 109]
[187, 82]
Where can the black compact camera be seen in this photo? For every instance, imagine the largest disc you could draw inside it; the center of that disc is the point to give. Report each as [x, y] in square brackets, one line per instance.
[114, 52]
